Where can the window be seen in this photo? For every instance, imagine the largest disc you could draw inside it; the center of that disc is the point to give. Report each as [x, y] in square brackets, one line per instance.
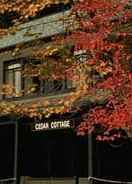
[31, 85]
[13, 76]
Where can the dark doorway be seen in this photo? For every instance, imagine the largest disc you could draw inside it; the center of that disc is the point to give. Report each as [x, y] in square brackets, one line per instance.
[46, 154]
[6, 150]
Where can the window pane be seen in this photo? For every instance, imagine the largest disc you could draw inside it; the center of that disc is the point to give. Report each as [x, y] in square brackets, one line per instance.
[9, 77]
[58, 85]
[53, 86]
[17, 82]
[31, 85]
[9, 81]
[68, 84]
[27, 84]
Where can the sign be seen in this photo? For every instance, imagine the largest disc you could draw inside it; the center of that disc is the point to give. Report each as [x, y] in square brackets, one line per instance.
[55, 124]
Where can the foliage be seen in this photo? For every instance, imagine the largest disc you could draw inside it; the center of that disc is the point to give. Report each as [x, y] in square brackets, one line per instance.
[109, 56]
[20, 11]
[98, 57]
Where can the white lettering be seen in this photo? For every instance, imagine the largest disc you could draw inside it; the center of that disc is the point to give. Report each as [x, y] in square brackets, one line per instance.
[36, 126]
[52, 125]
[60, 124]
[41, 126]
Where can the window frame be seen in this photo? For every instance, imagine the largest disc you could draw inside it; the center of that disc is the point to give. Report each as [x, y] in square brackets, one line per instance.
[43, 86]
[13, 69]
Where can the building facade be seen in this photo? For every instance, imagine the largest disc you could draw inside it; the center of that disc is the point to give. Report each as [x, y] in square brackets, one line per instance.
[49, 148]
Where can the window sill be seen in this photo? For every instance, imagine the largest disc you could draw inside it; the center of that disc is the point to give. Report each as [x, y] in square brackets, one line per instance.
[32, 97]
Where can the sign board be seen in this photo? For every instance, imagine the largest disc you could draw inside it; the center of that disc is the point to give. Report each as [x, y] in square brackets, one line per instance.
[54, 124]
